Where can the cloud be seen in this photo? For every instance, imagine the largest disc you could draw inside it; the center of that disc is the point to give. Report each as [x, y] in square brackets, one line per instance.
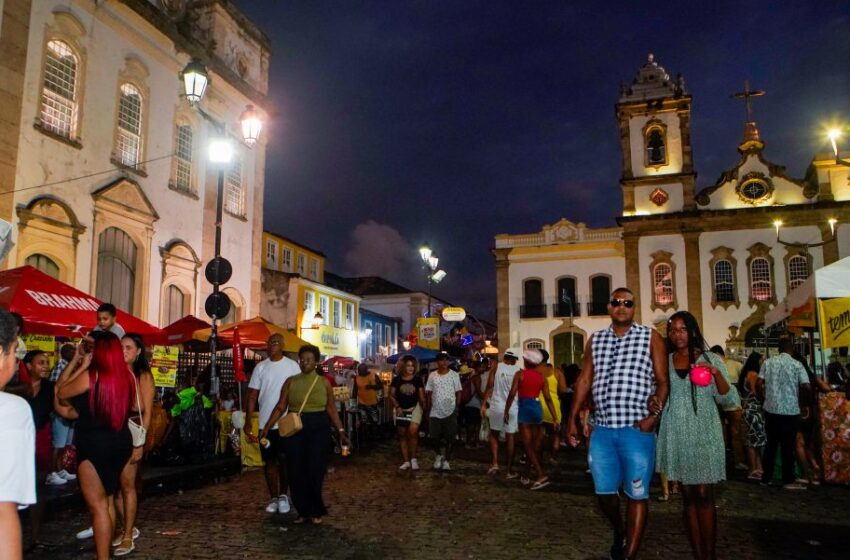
[380, 250]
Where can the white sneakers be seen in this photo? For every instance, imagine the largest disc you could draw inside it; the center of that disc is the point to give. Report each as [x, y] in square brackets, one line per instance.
[85, 534]
[272, 507]
[404, 466]
[53, 479]
[283, 504]
[438, 463]
[446, 466]
[59, 478]
[414, 464]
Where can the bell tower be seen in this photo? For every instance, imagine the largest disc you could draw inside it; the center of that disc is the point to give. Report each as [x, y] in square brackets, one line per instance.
[654, 118]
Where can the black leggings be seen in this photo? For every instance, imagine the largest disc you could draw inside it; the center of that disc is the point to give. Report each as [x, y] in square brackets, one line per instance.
[307, 454]
[781, 430]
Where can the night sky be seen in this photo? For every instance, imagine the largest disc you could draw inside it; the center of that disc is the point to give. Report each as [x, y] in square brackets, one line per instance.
[402, 123]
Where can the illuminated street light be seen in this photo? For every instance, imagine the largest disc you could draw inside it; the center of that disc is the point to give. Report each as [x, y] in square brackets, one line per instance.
[251, 125]
[425, 253]
[195, 80]
[220, 150]
[833, 134]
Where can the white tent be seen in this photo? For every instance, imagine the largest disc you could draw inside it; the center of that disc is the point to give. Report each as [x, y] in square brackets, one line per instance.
[828, 282]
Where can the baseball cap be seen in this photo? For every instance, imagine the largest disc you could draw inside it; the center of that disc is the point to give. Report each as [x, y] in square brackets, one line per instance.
[442, 356]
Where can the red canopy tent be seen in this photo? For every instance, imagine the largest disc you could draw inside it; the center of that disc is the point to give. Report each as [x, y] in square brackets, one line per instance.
[51, 307]
[181, 330]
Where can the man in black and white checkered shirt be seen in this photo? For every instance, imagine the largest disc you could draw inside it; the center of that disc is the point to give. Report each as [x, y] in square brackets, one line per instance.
[625, 368]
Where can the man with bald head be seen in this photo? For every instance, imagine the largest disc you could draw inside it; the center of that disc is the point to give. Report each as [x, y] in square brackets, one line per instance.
[264, 388]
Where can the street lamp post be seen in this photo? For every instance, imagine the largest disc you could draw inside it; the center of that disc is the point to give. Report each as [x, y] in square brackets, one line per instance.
[434, 275]
[219, 270]
[834, 134]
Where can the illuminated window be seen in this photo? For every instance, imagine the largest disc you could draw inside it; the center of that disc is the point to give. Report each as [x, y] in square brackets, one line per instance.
[129, 140]
[323, 309]
[724, 282]
[533, 344]
[234, 192]
[655, 143]
[59, 92]
[760, 282]
[663, 278]
[182, 173]
[337, 306]
[798, 271]
[309, 305]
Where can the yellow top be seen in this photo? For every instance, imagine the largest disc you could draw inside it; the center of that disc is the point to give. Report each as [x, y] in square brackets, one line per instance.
[366, 396]
[552, 381]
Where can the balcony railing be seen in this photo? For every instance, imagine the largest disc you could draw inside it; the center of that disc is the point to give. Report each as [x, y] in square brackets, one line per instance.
[565, 310]
[532, 311]
[597, 308]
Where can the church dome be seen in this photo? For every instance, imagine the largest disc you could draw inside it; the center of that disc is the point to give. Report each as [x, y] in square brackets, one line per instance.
[652, 82]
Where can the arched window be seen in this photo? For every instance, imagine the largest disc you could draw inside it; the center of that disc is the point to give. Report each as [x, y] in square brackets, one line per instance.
[44, 264]
[129, 135]
[760, 281]
[566, 305]
[234, 192]
[59, 92]
[724, 282]
[183, 144]
[798, 271]
[533, 344]
[656, 151]
[532, 299]
[663, 282]
[116, 268]
[175, 304]
[600, 292]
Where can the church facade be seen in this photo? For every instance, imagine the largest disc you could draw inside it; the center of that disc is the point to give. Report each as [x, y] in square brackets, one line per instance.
[726, 252]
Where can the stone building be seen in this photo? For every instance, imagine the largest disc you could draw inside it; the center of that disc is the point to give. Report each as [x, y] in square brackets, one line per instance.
[103, 163]
[727, 252]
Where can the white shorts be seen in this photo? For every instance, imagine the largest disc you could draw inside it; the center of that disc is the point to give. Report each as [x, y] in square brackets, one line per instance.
[496, 416]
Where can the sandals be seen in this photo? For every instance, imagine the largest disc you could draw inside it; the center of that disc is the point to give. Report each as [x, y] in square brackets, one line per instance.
[511, 476]
[126, 547]
[663, 497]
[493, 470]
[120, 538]
[540, 484]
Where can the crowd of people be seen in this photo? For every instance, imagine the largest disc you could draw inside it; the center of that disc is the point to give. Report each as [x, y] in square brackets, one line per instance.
[641, 403]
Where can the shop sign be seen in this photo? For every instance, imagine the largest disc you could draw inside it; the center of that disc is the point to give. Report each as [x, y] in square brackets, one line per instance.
[44, 343]
[164, 365]
[454, 314]
[835, 322]
[429, 332]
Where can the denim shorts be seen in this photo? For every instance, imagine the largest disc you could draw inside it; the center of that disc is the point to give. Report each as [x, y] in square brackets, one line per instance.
[622, 457]
[530, 411]
[62, 430]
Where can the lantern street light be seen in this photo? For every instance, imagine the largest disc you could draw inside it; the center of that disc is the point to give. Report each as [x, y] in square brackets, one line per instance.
[430, 261]
[834, 134]
[833, 225]
[218, 271]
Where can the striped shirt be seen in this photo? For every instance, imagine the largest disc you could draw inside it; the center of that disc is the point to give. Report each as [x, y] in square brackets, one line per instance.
[623, 376]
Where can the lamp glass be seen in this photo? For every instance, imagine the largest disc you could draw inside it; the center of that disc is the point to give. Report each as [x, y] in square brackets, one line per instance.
[195, 80]
[251, 125]
[433, 261]
[221, 150]
[425, 253]
[438, 276]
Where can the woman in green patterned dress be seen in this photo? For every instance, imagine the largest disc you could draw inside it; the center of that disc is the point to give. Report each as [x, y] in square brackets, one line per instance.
[690, 446]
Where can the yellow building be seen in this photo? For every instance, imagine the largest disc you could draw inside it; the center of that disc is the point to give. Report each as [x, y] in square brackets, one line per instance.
[295, 296]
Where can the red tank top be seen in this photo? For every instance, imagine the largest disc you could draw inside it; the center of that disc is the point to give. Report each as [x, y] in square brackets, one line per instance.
[531, 384]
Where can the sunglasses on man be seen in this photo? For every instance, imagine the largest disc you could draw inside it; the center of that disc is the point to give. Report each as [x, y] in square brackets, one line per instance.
[617, 302]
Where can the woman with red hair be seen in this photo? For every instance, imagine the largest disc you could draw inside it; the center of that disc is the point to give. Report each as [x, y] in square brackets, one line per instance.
[97, 389]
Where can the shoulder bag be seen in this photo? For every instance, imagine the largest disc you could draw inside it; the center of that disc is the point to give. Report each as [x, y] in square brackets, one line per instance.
[137, 431]
[291, 424]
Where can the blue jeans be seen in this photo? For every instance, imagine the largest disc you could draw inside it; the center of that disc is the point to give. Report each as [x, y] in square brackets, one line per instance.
[622, 457]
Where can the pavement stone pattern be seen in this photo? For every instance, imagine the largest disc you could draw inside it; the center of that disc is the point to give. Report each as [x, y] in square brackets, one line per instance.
[377, 512]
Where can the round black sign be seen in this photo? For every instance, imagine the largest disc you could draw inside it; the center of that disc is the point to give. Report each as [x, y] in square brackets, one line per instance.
[217, 305]
[218, 271]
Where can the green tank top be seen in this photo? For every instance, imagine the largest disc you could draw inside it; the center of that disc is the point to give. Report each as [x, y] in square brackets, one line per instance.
[298, 387]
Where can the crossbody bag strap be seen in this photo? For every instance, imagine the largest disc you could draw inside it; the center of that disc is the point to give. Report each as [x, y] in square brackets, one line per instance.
[138, 402]
[310, 390]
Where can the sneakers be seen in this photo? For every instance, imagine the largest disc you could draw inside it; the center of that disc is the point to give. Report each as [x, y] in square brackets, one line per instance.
[414, 464]
[794, 486]
[446, 466]
[283, 504]
[438, 463]
[66, 475]
[404, 466]
[85, 534]
[53, 479]
[272, 507]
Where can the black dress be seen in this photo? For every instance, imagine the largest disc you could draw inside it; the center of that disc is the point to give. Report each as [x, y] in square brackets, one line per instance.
[107, 450]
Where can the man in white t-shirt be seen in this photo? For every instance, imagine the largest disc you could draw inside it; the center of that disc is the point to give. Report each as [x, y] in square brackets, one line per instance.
[265, 387]
[496, 396]
[442, 395]
[17, 446]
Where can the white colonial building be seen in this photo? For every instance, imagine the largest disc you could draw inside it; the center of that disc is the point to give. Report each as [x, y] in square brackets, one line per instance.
[104, 169]
[727, 252]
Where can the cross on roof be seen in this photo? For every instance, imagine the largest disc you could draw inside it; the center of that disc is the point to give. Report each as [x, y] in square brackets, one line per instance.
[746, 95]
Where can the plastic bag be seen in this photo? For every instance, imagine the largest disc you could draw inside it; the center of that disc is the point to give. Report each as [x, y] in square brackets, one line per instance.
[484, 432]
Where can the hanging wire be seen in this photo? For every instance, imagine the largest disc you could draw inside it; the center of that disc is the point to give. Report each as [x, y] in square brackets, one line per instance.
[95, 174]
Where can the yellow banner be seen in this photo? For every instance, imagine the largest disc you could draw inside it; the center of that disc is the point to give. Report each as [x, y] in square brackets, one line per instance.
[44, 343]
[164, 365]
[429, 332]
[835, 322]
[333, 341]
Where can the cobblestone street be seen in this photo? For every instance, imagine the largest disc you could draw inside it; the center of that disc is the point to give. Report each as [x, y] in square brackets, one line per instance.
[379, 513]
